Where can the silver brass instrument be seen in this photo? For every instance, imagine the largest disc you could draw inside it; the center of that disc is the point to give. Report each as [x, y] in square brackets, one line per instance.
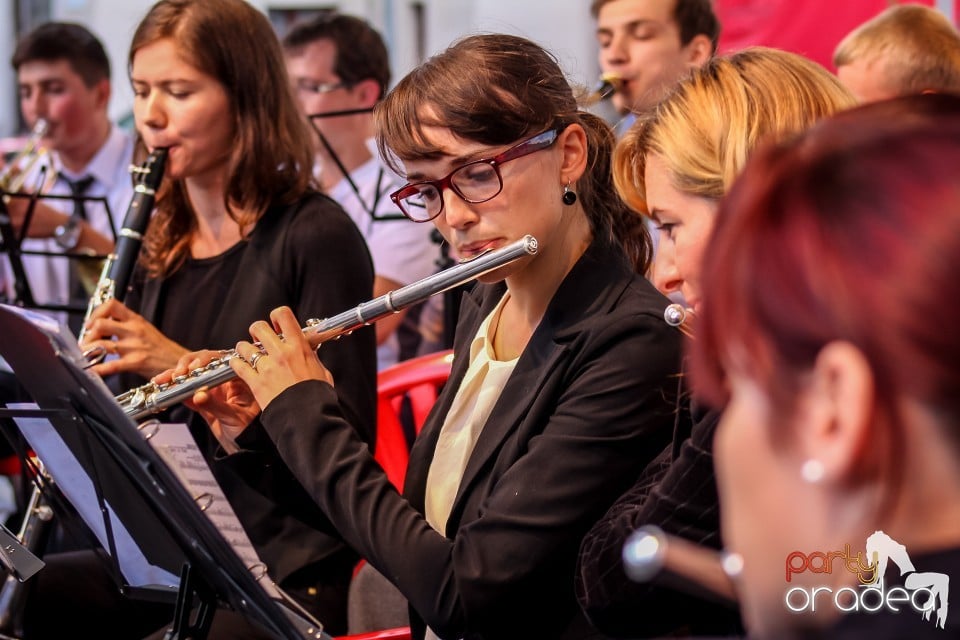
[651, 555]
[18, 168]
[119, 265]
[152, 398]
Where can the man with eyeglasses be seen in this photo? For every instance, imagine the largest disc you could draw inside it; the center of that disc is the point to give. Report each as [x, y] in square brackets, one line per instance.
[339, 69]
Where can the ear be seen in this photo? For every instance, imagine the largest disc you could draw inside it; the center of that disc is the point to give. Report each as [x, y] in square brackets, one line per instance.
[838, 427]
[367, 92]
[698, 50]
[573, 144]
[102, 89]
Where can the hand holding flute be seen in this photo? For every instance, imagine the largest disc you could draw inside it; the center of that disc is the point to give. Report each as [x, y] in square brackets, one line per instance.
[283, 358]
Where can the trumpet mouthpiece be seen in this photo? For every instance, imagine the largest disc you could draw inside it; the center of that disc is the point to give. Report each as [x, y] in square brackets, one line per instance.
[40, 128]
[615, 80]
[609, 84]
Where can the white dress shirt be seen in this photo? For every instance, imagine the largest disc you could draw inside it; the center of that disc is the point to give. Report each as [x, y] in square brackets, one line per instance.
[401, 249]
[48, 275]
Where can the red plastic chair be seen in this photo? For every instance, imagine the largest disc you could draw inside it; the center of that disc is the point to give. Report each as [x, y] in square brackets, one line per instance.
[419, 379]
[10, 465]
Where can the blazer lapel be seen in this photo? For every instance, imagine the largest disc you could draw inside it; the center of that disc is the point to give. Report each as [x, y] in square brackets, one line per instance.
[472, 312]
[594, 283]
[538, 362]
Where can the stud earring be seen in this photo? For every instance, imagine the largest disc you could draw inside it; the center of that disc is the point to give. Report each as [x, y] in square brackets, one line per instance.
[812, 471]
[569, 197]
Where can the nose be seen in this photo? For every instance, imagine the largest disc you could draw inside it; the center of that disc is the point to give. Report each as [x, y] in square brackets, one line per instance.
[150, 112]
[616, 52]
[665, 276]
[34, 106]
[457, 214]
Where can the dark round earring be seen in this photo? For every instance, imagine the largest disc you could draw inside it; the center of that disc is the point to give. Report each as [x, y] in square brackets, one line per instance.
[569, 197]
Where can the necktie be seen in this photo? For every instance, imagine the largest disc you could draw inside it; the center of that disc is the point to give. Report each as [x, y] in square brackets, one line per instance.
[78, 188]
[77, 292]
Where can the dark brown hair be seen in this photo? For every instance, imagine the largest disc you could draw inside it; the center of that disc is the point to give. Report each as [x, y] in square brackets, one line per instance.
[496, 89]
[693, 17]
[360, 51]
[271, 160]
[53, 41]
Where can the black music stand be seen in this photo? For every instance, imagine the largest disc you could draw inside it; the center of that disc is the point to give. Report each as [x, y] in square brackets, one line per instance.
[135, 489]
[11, 243]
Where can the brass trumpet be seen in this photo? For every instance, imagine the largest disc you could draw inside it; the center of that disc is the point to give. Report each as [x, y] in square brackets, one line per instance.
[609, 84]
[17, 170]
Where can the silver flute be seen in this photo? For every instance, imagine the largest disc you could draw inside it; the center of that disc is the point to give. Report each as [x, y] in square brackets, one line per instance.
[152, 398]
[676, 315]
[653, 556]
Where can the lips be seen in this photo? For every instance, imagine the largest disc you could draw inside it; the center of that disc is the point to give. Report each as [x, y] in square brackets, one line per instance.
[159, 144]
[473, 248]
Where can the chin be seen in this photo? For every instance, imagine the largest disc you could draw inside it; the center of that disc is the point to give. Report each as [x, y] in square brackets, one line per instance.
[498, 275]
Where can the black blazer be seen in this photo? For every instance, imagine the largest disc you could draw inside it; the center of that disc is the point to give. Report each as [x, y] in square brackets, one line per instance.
[589, 403]
[678, 493]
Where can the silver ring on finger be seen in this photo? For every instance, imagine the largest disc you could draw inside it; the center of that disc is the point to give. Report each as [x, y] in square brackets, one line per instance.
[254, 359]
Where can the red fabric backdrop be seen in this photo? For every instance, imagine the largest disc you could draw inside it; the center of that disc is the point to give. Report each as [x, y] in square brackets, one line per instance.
[809, 27]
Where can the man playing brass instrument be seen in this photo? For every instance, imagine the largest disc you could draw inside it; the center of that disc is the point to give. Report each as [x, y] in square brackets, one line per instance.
[650, 44]
[63, 77]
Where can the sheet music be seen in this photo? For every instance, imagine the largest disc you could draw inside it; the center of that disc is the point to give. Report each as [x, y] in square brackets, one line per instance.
[78, 488]
[175, 444]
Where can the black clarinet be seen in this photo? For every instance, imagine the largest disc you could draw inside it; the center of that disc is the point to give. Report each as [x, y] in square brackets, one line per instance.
[119, 265]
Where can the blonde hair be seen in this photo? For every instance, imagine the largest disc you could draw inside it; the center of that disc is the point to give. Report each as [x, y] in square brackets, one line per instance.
[711, 121]
[919, 48]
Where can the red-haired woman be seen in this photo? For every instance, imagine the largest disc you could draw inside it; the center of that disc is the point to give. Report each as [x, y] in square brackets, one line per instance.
[831, 301]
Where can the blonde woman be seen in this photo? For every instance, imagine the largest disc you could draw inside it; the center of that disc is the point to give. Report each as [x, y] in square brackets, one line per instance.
[674, 166]
[838, 440]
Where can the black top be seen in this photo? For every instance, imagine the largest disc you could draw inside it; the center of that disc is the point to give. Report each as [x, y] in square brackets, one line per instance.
[309, 256]
[590, 398]
[677, 493]
[214, 277]
[906, 623]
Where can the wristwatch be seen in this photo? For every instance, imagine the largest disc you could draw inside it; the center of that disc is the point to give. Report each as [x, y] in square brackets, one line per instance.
[67, 235]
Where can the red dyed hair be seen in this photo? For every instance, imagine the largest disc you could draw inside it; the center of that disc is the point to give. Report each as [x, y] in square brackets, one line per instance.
[850, 232]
